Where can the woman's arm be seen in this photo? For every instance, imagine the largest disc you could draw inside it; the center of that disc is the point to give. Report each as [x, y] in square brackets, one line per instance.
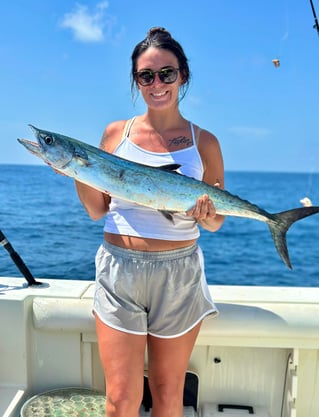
[204, 211]
[95, 202]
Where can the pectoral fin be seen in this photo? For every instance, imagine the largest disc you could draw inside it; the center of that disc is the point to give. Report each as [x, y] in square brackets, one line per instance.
[168, 215]
[82, 157]
[169, 167]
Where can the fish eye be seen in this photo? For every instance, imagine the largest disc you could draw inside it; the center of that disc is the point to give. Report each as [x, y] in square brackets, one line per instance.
[48, 139]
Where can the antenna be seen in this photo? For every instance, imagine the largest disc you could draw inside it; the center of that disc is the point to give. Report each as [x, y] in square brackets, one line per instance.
[316, 25]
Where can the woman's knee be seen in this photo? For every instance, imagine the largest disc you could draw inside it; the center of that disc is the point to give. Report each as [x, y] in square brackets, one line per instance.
[122, 400]
[167, 392]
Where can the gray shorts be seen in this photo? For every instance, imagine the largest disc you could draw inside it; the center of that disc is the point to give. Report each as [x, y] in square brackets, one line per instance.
[164, 294]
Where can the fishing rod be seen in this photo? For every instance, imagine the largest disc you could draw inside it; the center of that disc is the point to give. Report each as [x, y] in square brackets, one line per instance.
[316, 25]
[18, 261]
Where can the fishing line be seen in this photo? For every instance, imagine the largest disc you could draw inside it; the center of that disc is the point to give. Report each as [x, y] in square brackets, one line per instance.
[283, 39]
[18, 260]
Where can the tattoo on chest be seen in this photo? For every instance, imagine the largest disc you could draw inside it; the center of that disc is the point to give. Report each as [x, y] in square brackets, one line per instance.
[180, 140]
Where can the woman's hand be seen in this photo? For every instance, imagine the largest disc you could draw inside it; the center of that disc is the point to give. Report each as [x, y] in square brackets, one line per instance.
[204, 212]
[204, 209]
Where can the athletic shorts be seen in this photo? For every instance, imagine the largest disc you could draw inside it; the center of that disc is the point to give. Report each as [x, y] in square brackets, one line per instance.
[163, 294]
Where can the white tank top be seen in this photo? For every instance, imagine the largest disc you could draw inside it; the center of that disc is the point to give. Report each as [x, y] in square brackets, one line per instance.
[131, 219]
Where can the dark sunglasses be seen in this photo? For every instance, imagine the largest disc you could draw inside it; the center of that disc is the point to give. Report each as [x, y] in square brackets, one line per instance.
[167, 75]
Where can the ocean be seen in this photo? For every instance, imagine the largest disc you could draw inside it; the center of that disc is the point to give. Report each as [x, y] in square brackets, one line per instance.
[44, 221]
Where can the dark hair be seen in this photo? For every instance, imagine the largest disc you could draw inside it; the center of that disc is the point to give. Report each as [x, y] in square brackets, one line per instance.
[159, 37]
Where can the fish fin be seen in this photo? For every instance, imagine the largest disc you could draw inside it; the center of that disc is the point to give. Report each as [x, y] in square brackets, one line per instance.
[169, 167]
[279, 225]
[82, 157]
[168, 215]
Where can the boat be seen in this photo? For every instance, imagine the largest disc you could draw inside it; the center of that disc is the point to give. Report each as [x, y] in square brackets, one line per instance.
[259, 356]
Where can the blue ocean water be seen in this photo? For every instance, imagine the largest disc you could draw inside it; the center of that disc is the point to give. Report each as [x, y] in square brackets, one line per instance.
[44, 221]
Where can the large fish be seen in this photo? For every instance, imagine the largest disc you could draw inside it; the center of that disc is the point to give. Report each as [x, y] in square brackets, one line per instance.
[160, 188]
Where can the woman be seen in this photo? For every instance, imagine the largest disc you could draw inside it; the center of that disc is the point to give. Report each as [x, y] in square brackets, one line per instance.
[150, 285]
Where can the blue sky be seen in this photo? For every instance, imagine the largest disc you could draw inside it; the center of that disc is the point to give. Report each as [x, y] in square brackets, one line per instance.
[65, 67]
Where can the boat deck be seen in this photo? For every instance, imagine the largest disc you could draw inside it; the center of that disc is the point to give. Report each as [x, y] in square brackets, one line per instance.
[261, 351]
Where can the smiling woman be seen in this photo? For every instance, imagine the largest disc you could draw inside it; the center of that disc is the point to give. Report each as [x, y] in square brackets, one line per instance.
[167, 74]
[142, 252]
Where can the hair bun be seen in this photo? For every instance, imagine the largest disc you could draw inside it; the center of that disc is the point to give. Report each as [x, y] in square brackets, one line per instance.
[158, 30]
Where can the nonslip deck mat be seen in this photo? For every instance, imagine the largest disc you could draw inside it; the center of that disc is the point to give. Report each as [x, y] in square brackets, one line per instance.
[70, 402]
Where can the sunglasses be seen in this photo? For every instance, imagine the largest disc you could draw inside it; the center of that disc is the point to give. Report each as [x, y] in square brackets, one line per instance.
[168, 75]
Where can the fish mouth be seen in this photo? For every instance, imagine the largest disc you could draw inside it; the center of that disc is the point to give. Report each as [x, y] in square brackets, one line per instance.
[57, 159]
[35, 130]
[32, 147]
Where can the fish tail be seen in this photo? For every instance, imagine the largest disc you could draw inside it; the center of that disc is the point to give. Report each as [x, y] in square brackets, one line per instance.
[279, 225]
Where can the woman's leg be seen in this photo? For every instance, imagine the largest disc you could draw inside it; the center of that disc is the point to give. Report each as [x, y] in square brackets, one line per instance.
[168, 361]
[122, 356]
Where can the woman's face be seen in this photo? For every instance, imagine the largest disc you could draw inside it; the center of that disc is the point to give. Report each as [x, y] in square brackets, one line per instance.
[158, 95]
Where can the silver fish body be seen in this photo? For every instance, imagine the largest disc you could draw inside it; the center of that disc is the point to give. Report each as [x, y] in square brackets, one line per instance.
[160, 188]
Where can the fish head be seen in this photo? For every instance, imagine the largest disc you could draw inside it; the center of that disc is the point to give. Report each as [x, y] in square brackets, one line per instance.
[53, 148]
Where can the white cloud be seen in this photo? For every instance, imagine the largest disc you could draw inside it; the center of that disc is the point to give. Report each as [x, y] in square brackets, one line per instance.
[86, 25]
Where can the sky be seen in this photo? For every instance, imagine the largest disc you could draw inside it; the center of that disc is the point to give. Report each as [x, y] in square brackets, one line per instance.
[65, 67]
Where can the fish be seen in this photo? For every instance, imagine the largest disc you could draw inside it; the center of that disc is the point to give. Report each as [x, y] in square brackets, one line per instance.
[161, 188]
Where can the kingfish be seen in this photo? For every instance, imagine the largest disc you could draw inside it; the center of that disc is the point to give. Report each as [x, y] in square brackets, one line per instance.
[160, 188]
